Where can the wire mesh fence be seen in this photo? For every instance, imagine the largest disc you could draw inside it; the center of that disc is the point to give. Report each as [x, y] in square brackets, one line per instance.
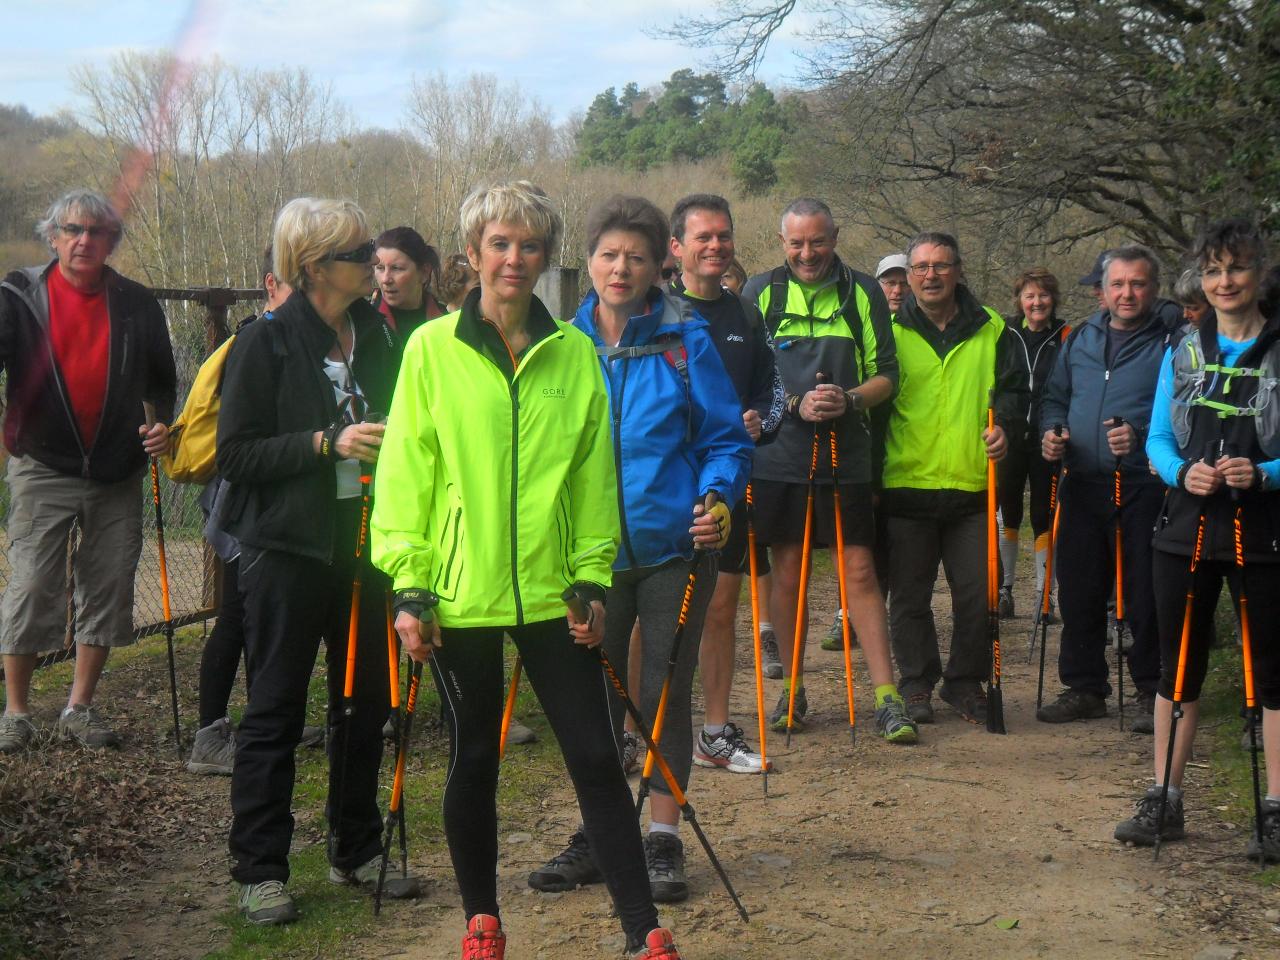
[197, 322]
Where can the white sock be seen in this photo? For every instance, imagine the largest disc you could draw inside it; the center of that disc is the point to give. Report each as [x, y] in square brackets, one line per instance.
[671, 828]
[1270, 799]
[713, 730]
[766, 626]
[1175, 793]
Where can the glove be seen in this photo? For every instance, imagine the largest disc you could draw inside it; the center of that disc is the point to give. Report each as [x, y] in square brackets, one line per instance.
[723, 522]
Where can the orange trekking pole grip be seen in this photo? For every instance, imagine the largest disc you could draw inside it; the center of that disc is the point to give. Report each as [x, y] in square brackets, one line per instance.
[580, 612]
[844, 603]
[755, 627]
[803, 590]
[995, 695]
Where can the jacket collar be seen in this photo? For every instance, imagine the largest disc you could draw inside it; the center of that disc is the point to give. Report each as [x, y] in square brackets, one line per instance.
[970, 314]
[473, 330]
[667, 314]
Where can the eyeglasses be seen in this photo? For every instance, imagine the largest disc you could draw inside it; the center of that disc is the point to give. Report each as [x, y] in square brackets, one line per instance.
[361, 254]
[74, 230]
[1235, 271]
[922, 269]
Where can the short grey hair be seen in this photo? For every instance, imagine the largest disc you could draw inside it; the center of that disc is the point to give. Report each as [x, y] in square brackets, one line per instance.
[805, 207]
[89, 204]
[934, 238]
[1132, 253]
[1187, 289]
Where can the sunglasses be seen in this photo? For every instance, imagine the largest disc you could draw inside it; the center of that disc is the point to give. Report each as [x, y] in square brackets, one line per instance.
[74, 230]
[361, 254]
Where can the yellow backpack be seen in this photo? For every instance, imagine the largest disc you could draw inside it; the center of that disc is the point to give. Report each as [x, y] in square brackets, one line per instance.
[193, 437]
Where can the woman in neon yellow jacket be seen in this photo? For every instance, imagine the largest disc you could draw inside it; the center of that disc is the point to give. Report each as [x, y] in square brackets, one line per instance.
[496, 492]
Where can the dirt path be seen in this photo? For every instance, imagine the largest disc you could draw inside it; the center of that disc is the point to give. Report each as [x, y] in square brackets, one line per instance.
[858, 850]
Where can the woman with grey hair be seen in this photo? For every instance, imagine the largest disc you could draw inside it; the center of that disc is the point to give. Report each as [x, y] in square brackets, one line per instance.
[1189, 294]
[499, 497]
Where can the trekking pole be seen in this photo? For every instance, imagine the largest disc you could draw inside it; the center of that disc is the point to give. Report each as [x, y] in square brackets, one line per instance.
[580, 611]
[755, 628]
[1042, 612]
[1119, 565]
[149, 413]
[660, 715]
[1044, 630]
[395, 811]
[844, 603]
[393, 675]
[995, 695]
[802, 598]
[509, 708]
[1183, 645]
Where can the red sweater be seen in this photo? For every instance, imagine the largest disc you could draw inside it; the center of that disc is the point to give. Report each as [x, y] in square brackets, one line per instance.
[80, 330]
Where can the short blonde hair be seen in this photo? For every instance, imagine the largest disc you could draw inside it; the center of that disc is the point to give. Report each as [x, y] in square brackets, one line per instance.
[308, 229]
[516, 201]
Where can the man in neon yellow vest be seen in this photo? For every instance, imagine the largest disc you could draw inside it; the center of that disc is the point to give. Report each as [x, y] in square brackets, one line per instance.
[952, 352]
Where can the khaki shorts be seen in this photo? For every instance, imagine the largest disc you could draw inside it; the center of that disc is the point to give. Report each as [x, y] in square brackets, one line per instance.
[43, 504]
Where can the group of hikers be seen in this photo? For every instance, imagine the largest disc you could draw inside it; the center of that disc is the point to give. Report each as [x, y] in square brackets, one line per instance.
[429, 445]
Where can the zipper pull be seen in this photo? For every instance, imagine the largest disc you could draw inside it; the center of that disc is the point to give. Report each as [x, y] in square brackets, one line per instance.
[1107, 376]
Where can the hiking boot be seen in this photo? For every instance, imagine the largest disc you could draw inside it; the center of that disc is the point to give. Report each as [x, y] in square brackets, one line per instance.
[396, 886]
[778, 718]
[214, 749]
[517, 732]
[16, 732]
[86, 726]
[571, 868]
[658, 945]
[631, 747]
[834, 640]
[920, 707]
[1269, 848]
[312, 737]
[485, 939]
[266, 903]
[770, 657]
[1144, 713]
[970, 701]
[1073, 705]
[1140, 829]
[892, 721]
[1005, 604]
[727, 750]
[664, 856]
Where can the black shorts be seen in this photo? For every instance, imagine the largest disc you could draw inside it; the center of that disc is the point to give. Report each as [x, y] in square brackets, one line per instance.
[733, 558]
[780, 510]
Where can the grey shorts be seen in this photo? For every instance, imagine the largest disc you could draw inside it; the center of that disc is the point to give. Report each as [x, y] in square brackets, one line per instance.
[43, 504]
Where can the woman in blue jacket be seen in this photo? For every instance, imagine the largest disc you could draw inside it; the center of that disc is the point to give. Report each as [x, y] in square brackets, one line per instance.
[677, 437]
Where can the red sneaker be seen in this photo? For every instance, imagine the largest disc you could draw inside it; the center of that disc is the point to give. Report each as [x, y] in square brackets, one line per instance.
[486, 941]
[658, 945]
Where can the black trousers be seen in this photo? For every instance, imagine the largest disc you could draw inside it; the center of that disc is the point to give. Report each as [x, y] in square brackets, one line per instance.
[1086, 576]
[291, 602]
[1171, 574]
[576, 697]
[224, 649]
[1023, 464]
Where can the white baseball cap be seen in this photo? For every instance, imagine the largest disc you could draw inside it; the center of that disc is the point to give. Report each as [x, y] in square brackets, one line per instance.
[894, 261]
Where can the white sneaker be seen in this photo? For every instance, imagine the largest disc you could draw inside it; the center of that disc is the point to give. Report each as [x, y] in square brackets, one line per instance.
[727, 750]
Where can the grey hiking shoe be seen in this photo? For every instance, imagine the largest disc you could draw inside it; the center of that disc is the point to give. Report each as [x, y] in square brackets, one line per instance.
[664, 856]
[86, 726]
[727, 750]
[312, 737]
[920, 707]
[396, 886]
[266, 903]
[969, 700]
[1144, 713]
[834, 640]
[771, 660]
[1269, 847]
[214, 749]
[16, 732]
[571, 868]
[1005, 604]
[892, 721]
[1073, 705]
[632, 746]
[778, 718]
[1140, 829]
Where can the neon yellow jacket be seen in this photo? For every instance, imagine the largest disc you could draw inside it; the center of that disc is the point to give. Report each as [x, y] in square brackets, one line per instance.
[495, 488]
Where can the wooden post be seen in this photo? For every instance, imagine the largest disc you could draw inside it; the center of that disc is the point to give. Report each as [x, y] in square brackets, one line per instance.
[558, 290]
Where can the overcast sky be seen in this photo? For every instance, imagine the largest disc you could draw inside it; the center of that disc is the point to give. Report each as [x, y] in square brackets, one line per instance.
[563, 52]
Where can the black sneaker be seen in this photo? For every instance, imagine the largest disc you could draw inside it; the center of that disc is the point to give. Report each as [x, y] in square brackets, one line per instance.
[1073, 705]
[664, 856]
[1269, 848]
[920, 707]
[968, 701]
[778, 718]
[1140, 829]
[769, 656]
[1005, 605]
[569, 869]
[1144, 719]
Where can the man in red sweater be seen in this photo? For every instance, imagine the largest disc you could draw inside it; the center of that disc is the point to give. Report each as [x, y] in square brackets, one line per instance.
[87, 353]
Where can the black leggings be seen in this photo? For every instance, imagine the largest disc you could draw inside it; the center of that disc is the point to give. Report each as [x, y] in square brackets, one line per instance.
[1019, 465]
[575, 696]
[1170, 573]
[223, 650]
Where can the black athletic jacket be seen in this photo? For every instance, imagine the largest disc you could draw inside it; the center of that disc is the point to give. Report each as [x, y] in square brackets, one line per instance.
[39, 422]
[275, 396]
